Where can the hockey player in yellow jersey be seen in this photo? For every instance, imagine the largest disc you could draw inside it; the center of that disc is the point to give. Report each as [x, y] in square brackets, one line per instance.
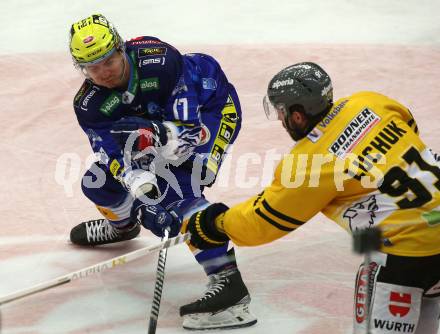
[360, 161]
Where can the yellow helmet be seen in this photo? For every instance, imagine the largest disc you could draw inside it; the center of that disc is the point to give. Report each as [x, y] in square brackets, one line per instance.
[93, 39]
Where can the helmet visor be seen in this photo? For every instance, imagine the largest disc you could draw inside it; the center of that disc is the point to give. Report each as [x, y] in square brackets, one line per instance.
[98, 60]
[272, 111]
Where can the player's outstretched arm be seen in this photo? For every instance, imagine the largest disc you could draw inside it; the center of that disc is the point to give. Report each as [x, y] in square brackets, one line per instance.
[202, 225]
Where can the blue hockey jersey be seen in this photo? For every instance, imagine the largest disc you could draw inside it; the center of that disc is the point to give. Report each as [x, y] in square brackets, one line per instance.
[164, 85]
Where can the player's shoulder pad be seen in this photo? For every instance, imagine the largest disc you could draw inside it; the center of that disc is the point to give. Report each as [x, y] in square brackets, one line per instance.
[368, 95]
[159, 66]
[143, 40]
[390, 104]
[372, 99]
[93, 103]
[84, 90]
[147, 46]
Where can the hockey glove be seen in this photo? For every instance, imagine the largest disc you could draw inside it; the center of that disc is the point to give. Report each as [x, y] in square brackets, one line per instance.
[204, 233]
[138, 133]
[156, 218]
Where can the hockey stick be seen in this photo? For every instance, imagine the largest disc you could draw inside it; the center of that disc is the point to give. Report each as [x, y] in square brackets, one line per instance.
[365, 242]
[160, 277]
[97, 268]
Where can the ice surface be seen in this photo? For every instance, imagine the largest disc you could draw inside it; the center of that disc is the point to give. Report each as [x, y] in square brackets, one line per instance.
[300, 284]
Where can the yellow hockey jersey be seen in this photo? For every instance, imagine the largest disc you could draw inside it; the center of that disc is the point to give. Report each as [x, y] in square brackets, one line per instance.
[363, 165]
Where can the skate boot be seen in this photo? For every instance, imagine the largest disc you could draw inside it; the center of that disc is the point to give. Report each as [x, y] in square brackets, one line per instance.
[101, 232]
[224, 305]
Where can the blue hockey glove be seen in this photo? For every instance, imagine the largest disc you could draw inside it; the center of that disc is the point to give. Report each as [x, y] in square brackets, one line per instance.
[143, 133]
[156, 218]
[204, 233]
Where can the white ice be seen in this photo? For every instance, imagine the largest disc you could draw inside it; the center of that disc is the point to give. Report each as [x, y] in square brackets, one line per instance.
[300, 284]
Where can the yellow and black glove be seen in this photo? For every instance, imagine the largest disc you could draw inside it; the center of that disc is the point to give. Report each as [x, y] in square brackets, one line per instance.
[204, 232]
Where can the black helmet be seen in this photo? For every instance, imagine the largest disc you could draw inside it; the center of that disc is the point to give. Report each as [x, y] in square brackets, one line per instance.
[304, 86]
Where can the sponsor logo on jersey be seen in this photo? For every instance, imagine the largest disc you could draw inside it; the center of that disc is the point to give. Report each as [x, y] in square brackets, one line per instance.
[361, 215]
[354, 132]
[225, 132]
[110, 104]
[155, 51]
[149, 61]
[400, 304]
[114, 167]
[209, 83]
[217, 153]
[314, 135]
[205, 135]
[87, 99]
[332, 114]
[394, 326]
[149, 84]
[223, 137]
[141, 42]
[82, 91]
[281, 83]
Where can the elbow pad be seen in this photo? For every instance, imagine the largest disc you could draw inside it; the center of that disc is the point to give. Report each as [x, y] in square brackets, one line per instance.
[139, 182]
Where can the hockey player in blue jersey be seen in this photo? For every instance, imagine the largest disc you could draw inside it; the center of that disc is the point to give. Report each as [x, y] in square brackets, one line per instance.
[161, 123]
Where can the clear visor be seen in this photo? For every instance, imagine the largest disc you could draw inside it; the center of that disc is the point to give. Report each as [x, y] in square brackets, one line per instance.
[98, 60]
[83, 67]
[272, 111]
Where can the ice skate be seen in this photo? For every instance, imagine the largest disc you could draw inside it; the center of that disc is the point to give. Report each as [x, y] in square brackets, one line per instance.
[224, 305]
[101, 232]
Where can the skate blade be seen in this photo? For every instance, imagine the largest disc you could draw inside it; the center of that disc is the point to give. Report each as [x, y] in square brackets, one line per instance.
[237, 316]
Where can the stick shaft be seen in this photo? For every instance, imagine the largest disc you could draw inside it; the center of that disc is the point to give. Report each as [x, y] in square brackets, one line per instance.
[97, 268]
[158, 287]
